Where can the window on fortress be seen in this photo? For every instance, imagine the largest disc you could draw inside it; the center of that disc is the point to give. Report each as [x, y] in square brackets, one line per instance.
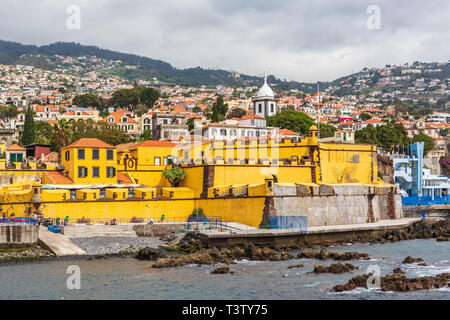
[80, 154]
[95, 154]
[67, 155]
[110, 172]
[82, 172]
[95, 172]
[157, 161]
[109, 154]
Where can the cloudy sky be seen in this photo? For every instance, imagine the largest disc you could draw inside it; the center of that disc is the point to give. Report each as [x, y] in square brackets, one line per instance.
[293, 39]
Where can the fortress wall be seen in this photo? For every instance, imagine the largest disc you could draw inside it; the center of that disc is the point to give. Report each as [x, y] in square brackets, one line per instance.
[243, 210]
[18, 234]
[116, 209]
[335, 205]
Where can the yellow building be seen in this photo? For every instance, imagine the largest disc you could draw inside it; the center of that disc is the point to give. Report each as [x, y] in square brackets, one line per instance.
[242, 180]
[90, 161]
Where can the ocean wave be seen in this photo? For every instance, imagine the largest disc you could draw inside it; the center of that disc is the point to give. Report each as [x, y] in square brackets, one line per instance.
[311, 285]
[360, 290]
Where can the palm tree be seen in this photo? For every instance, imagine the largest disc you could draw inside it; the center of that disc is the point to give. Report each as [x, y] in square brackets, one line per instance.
[62, 136]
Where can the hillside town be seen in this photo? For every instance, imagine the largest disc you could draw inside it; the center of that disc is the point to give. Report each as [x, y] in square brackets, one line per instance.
[359, 108]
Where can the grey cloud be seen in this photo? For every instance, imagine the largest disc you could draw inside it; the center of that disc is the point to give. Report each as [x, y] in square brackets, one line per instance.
[300, 40]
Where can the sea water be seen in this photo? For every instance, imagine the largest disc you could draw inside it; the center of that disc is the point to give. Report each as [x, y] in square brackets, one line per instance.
[128, 278]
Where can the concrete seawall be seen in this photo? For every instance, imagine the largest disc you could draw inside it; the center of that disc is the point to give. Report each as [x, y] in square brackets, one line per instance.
[337, 204]
[315, 235]
[18, 234]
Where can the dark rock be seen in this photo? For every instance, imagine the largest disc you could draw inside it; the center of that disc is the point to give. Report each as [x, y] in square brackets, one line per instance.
[296, 266]
[398, 282]
[221, 270]
[334, 268]
[410, 259]
[149, 254]
[324, 254]
[398, 270]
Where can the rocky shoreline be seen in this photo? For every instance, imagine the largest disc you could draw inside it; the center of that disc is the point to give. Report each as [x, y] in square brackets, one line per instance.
[422, 230]
[178, 251]
[397, 282]
[24, 253]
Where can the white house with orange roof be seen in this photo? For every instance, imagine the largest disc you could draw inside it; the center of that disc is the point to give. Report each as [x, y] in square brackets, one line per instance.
[124, 120]
[46, 112]
[78, 113]
[246, 127]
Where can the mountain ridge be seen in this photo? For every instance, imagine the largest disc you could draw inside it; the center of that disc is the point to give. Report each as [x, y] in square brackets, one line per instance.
[10, 53]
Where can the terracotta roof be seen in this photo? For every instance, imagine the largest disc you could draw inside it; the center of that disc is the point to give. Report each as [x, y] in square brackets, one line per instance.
[155, 143]
[125, 146]
[58, 178]
[89, 143]
[288, 132]
[122, 177]
[251, 117]
[15, 147]
[51, 157]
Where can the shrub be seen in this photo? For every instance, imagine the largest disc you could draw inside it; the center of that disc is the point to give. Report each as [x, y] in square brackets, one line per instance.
[197, 212]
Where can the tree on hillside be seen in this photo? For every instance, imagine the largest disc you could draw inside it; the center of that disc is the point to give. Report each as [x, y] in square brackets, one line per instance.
[290, 119]
[428, 142]
[8, 111]
[327, 130]
[190, 124]
[29, 133]
[387, 137]
[219, 109]
[61, 136]
[100, 130]
[149, 96]
[146, 135]
[131, 98]
[236, 113]
[140, 109]
[365, 116]
[86, 100]
[44, 132]
[367, 135]
[125, 98]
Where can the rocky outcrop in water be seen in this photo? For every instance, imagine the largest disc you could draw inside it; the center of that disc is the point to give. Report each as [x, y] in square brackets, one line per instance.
[224, 255]
[410, 259]
[150, 254]
[296, 266]
[324, 255]
[397, 282]
[334, 268]
[221, 270]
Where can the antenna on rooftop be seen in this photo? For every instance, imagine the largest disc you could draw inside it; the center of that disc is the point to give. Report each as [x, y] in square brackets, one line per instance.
[318, 126]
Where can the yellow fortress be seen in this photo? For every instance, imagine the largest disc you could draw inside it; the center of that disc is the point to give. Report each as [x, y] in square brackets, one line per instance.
[246, 181]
